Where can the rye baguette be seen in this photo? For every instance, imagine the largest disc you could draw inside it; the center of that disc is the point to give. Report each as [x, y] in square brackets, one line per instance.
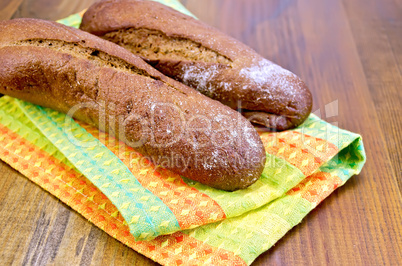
[204, 58]
[60, 67]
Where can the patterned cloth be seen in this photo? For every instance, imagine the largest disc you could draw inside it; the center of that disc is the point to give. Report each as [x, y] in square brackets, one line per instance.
[162, 215]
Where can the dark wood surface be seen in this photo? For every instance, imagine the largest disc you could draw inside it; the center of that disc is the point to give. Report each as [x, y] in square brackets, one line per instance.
[350, 54]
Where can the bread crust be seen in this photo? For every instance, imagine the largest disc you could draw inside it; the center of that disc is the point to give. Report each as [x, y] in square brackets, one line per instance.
[178, 128]
[238, 77]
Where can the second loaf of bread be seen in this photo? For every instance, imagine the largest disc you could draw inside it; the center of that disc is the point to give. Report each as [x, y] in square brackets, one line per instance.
[204, 58]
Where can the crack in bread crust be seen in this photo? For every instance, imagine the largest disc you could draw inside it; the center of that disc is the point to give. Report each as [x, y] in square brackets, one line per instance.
[156, 45]
[78, 50]
[98, 57]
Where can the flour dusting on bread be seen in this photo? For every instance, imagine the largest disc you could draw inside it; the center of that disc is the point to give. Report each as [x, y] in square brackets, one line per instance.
[201, 77]
[267, 73]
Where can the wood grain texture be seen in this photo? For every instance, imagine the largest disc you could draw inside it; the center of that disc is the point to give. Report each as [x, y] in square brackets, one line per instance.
[8, 8]
[350, 54]
[44, 9]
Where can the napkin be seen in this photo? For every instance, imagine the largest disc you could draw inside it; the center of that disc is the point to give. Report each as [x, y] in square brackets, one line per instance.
[166, 217]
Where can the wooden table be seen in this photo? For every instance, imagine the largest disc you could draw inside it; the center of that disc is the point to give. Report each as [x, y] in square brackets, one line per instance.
[350, 54]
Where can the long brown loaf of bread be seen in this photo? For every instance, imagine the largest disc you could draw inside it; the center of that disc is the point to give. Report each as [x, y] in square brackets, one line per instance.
[105, 85]
[204, 58]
